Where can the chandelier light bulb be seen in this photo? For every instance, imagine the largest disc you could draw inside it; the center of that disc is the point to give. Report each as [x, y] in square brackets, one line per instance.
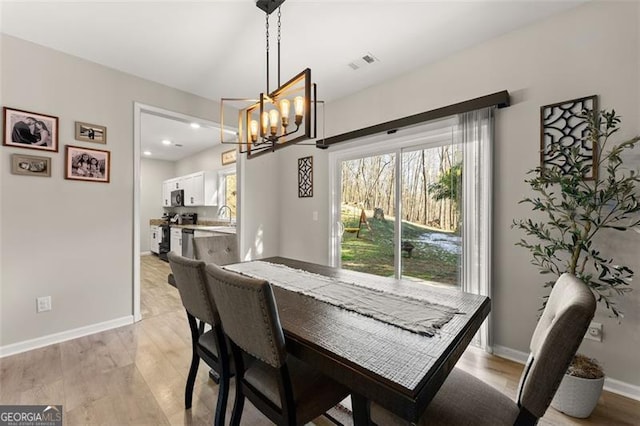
[253, 130]
[298, 105]
[265, 122]
[284, 111]
[273, 120]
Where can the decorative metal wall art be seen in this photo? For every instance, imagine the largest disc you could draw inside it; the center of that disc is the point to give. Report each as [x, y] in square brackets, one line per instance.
[562, 123]
[305, 177]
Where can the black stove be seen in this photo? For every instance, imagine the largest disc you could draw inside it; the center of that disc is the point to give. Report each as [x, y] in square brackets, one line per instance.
[165, 241]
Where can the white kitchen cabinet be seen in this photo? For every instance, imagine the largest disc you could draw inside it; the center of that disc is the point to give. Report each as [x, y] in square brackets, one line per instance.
[200, 189]
[155, 235]
[166, 192]
[176, 240]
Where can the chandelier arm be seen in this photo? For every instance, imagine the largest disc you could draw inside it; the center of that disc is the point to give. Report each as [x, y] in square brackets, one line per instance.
[275, 138]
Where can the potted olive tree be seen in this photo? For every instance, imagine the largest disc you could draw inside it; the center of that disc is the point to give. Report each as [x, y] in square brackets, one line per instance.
[574, 210]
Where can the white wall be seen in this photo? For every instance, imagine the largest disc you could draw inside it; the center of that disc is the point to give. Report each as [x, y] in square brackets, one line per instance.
[152, 174]
[593, 49]
[68, 239]
[260, 207]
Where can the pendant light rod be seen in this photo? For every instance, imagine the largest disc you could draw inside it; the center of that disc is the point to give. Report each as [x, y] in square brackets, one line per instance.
[267, 49]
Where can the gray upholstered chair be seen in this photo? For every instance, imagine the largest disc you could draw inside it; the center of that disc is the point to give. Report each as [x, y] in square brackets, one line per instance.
[465, 400]
[219, 249]
[210, 346]
[283, 388]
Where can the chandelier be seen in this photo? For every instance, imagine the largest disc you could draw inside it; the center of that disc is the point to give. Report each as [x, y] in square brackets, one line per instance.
[287, 115]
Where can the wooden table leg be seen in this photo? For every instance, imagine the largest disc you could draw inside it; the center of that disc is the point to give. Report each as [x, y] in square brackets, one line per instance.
[360, 410]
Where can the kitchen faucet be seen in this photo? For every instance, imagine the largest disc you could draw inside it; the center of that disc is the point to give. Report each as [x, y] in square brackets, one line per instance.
[221, 209]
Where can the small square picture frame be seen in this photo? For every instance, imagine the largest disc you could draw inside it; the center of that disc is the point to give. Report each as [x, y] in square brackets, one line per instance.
[30, 165]
[229, 157]
[87, 164]
[30, 130]
[87, 132]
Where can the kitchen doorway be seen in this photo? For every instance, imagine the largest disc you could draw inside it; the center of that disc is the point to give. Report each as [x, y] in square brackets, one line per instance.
[172, 155]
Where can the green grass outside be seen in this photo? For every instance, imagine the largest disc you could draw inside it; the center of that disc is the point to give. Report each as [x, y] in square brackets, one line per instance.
[373, 251]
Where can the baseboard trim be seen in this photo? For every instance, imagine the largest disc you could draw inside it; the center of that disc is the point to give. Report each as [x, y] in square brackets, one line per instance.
[612, 385]
[51, 339]
[145, 253]
[622, 388]
[510, 354]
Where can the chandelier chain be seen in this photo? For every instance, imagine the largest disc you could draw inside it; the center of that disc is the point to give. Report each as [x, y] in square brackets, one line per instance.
[279, 24]
[279, 30]
[267, 47]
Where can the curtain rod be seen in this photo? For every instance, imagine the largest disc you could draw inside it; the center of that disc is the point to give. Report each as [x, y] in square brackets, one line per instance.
[498, 99]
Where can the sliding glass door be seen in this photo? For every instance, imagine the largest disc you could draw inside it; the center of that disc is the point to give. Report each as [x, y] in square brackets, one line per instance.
[429, 223]
[431, 200]
[367, 214]
[418, 205]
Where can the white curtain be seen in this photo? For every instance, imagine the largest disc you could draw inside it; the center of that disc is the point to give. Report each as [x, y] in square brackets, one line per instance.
[475, 132]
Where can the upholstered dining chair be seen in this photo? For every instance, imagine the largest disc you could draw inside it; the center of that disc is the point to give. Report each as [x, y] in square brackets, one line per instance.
[219, 249]
[284, 389]
[465, 400]
[210, 346]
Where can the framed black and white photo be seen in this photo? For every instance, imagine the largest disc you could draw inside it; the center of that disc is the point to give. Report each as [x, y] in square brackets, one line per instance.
[86, 164]
[91, 132]
[32, 130]
[30, 165]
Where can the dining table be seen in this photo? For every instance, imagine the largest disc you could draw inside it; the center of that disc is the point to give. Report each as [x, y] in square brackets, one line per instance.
[381, 337]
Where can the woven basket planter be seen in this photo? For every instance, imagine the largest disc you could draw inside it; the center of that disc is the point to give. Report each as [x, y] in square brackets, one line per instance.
[577, 397]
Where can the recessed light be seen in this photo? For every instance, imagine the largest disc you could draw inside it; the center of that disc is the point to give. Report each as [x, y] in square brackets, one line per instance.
[166, 142]
[147, 153]
[195, 125]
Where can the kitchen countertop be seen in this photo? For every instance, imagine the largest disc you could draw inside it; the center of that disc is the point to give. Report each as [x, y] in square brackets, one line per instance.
[158, 222]
[205, 226]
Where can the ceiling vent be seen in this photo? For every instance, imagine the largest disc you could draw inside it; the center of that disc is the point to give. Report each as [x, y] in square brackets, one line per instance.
[364, 60]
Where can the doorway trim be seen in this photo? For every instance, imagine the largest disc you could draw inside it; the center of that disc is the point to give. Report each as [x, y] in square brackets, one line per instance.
[138, 109]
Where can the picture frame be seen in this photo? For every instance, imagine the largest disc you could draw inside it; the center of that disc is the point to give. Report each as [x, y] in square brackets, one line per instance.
[229, 157]
[87, 132]
[30, 165]
[30, 130]
[87, 164]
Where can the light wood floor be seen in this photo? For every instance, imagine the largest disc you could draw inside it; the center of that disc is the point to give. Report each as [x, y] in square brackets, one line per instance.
[136, 374]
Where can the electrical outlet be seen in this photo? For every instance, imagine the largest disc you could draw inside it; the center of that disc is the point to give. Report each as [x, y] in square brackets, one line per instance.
[43, 304]
[594, 332]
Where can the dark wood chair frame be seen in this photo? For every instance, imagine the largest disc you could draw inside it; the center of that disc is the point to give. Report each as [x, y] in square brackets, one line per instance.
[220, 364]
[286, 415]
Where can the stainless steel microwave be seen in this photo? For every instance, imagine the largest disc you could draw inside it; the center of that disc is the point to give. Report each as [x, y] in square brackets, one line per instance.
[177, 198]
